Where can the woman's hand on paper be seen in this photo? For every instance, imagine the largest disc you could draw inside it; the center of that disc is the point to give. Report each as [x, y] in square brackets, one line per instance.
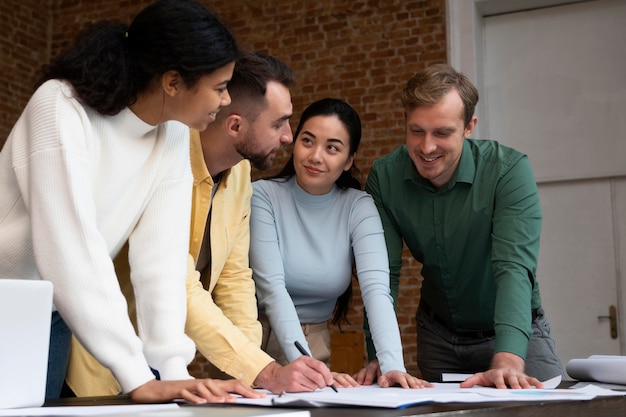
[402, 379]
[193, 390]
[369, 374]
[344, 380]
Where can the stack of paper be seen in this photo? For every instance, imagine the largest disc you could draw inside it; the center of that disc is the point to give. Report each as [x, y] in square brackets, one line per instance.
[601, 368]
[374, 396]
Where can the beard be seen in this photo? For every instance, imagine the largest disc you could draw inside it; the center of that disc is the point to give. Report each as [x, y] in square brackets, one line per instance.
[258, 160]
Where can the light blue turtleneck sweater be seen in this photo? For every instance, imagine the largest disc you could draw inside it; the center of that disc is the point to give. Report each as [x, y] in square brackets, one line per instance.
[301, 252]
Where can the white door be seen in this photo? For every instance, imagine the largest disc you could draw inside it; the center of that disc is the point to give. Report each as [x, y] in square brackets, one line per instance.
[577, 266]
[552, 85]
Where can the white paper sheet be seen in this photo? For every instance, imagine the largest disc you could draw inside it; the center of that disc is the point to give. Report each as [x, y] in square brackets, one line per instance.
[450, 377]
[617, 387]
[374, 396]
[549, 384]
[105, 410]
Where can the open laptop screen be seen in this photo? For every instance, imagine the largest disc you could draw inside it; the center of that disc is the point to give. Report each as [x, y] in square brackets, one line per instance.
[25, 314]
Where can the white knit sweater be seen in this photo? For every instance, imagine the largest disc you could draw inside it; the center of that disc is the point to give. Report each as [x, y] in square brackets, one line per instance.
[74, 186]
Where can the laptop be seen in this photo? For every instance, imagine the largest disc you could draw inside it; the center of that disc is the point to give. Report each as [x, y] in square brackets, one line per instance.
[25, 315]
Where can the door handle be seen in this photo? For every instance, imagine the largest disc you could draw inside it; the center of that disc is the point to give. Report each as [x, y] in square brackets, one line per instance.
[612, 320]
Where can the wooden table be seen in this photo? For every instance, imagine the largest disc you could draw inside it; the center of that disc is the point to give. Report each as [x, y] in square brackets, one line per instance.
[598, 407]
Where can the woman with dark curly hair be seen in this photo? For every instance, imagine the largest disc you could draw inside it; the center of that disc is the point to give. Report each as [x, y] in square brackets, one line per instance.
[100, 156]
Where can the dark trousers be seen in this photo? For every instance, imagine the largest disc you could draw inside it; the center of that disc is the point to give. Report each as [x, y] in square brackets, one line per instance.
[58, 356]
[440, 350]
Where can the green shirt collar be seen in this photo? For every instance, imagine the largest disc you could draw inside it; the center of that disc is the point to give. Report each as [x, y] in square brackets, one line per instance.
[465, 171]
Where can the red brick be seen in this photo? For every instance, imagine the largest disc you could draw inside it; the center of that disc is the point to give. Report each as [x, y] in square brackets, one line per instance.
[360, 51]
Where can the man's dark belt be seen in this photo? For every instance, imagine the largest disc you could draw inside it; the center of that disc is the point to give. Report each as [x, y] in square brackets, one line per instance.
[477, 334]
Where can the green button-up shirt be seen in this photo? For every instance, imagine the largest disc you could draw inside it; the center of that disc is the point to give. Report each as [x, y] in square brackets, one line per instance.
[477, 237]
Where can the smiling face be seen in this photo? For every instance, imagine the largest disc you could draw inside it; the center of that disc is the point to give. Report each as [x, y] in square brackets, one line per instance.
[198, 105]
[434, 137]
[269, 130]
[321, 153]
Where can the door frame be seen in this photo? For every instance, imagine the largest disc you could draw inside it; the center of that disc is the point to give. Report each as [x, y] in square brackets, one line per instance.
[464, 30]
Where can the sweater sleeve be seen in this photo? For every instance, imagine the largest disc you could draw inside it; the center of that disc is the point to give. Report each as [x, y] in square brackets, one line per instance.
[393, 242]
[269, 274]
[370, 252]
[157, 256]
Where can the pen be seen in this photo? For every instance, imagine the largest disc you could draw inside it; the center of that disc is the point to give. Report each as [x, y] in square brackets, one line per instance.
[305, 353]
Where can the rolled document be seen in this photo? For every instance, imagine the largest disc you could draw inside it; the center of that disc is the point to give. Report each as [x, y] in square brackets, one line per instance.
[609, 369]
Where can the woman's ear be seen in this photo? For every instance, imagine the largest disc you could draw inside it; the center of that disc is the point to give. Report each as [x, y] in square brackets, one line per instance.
[171, 82]
[349, 162]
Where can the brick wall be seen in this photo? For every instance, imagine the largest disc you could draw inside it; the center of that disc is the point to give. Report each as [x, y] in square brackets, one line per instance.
[23, 47]
[362, 51]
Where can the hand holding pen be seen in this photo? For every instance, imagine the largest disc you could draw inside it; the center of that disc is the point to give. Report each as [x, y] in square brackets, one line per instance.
[303, 351]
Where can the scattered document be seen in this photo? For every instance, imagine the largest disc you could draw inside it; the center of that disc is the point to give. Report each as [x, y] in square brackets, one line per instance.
[449, 377]
[156, 410]
[582, 384]
[104, 410]
[374, 396]
[552, 382]
[610, 369]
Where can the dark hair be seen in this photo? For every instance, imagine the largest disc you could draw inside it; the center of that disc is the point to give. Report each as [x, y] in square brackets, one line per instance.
[248, 85]
[351, 121]
[429, 85]
[110, 63]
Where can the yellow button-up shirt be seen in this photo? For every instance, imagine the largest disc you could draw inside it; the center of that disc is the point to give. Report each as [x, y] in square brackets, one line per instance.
[221, 307]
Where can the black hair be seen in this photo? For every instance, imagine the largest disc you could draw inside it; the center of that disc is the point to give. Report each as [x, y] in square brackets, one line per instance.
[110, 62]
[248, 85]
[351, 121]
